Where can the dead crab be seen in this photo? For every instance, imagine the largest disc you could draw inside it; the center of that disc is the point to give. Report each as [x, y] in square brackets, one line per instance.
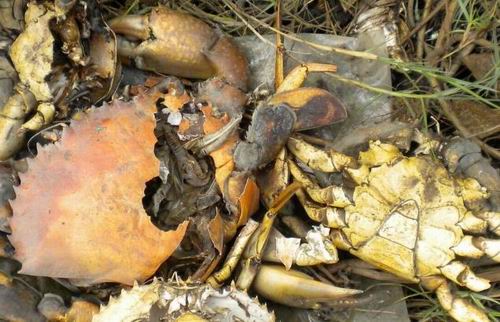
[33, 86]
[180, 301]
[152, 42]
[46, 79]
[407, 215]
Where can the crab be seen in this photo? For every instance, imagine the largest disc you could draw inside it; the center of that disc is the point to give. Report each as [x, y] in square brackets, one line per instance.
[152, 42]
[407, 215]
[45, 81]
[176, 300]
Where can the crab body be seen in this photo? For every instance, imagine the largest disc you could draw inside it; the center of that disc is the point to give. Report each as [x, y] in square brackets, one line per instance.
[408, 215]
[407, 218]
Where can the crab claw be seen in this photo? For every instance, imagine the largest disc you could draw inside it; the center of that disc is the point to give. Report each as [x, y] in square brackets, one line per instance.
[176, 43]
[313, 107]
[270, 129]
[284, 113]
[296, 289]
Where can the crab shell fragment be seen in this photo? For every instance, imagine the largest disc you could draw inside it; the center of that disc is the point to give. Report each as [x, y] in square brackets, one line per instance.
[78, 213]
[179, 301]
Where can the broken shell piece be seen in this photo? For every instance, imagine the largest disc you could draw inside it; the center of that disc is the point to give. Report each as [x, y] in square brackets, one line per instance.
[318, 249]
[286, 250]
[179, 301]
[34, 66]
[91, 223]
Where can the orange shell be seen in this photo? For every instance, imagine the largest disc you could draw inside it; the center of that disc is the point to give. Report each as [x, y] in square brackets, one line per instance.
[78, 212]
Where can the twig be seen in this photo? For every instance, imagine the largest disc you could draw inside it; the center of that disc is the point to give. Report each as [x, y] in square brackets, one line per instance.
[444, 34]
[245, 22]
[279, 63]
[353, 53]
[424, 21]
[421, 32]
[411, 16]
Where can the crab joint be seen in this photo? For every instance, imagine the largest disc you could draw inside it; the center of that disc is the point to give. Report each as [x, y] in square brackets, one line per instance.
[250, 265]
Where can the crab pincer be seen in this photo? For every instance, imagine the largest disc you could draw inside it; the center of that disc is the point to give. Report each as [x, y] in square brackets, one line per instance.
[291, 109]
[176, 43]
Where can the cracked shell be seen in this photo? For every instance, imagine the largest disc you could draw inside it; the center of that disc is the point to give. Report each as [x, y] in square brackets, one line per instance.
[411, 202]
[179, 301]
[78, 212]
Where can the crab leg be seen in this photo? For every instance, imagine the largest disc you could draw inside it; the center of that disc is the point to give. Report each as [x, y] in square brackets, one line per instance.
[298, 75]
[179, 44]
[461, 274]
[317, 159]
[313, 107]
[460, 309]
[329, 216]
[331, 196]
[250, 265]
[493, 220]
[217, 279]
[285, 112]
[212, 142]
[473, 224]
[476, 247]
[314, 249]
[475, 197]
[45, 113]
[11, 119]
[274, 181]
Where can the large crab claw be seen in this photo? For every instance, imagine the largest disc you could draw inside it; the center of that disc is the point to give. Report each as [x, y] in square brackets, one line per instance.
[286, 112]
[178, 44]
[296, 289]
[291, 109]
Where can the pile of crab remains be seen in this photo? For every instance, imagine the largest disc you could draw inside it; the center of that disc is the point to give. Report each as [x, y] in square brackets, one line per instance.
[80, 213]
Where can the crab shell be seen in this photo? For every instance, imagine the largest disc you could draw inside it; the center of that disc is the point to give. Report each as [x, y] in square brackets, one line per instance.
[406, 218]
[179, 301]
[78, 212]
